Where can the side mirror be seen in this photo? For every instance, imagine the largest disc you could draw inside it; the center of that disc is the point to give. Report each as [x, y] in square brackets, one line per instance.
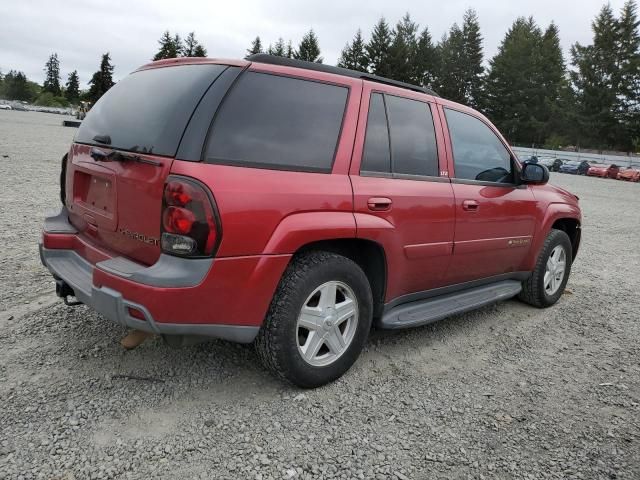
[534, 173]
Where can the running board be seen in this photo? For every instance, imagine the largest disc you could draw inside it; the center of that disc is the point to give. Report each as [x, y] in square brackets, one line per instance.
[433, 309]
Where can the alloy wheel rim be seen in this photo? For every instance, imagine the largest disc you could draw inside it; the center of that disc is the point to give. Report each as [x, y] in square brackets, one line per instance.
[327, 323]
[555, 269]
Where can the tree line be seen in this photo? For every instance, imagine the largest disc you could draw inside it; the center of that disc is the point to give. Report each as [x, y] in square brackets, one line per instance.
[528, 89]
[53, 93]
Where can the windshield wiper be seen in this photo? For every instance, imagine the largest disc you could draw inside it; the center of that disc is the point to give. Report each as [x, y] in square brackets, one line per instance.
[102, 156]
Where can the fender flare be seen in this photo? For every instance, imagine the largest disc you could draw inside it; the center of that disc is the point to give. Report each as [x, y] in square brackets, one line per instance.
[554, 212]
[299, 229]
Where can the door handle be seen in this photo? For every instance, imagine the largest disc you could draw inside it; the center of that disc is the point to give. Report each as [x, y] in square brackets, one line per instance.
[379, 204]
[470, 206]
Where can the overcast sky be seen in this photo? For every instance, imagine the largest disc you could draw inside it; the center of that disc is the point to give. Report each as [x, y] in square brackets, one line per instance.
[81, 30]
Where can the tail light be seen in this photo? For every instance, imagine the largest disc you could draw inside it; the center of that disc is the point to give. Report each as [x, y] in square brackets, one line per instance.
[190, 221]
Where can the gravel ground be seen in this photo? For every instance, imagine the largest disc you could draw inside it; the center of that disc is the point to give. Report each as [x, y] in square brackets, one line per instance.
[505, 392]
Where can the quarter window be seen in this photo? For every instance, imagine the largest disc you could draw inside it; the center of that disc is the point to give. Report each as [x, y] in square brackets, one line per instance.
[278, 122]
[376, 157]
[478, 153]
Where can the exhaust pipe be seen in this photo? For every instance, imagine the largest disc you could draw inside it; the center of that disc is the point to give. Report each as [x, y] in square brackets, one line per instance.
[64, 290]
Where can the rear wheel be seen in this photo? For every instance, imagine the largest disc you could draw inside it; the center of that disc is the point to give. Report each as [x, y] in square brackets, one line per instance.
[318, 321]
[548, 280]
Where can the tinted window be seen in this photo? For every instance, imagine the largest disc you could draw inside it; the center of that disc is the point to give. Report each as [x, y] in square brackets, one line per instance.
[478, 153]
[413, 139]
[278, 122]
[376, 157]
[149, 110]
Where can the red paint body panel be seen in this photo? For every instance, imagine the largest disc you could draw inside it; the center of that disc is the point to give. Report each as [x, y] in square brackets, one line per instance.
[218, 299]
[133, 202]
[253, 203]
[416, 232]
[482, 236]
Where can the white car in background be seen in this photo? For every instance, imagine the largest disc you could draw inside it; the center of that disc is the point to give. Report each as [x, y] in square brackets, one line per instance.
[5, 107]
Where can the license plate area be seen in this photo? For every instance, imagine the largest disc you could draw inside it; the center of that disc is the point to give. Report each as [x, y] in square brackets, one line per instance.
[95, 198]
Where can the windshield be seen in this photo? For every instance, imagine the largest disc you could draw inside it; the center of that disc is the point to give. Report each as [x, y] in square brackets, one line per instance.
[148, 111]
[573, 163]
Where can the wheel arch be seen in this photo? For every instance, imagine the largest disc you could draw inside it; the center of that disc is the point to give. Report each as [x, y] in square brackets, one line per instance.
[367, 254]
[570, 226]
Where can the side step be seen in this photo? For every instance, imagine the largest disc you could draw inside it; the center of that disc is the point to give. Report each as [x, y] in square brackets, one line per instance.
[430, 310]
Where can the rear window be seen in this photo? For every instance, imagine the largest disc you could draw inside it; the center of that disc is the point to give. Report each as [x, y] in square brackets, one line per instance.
[271, 121]
[148, 111]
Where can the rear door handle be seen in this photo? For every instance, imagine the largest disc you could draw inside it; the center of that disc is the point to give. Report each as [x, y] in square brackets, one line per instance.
[470, 206]
[379, 204]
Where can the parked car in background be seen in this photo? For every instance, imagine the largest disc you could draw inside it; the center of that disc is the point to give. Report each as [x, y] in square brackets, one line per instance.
[603, 171]
[4, 106]
[630, 175]
[575, 167]
[553, 164]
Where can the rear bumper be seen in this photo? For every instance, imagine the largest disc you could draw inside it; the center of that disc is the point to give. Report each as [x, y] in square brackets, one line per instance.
[174, 296]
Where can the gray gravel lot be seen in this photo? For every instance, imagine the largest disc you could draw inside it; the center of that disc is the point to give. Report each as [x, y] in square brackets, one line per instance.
[505, 392]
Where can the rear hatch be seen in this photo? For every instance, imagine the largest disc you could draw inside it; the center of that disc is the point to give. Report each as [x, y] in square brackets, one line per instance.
[122, 155]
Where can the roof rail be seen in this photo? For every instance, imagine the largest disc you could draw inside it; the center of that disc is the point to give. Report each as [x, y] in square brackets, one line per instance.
[319, 67]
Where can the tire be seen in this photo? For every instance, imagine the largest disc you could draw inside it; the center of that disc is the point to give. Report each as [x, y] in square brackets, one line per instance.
[534, 291]
[281, 341]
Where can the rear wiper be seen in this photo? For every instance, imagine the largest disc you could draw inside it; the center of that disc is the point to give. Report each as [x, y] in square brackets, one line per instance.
[105, 139]
[102, 156]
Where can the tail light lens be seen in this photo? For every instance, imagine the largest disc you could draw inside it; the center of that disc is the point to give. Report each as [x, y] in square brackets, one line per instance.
[190, 221]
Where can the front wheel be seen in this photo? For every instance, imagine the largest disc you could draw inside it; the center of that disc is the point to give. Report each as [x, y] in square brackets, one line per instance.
[549, 278]
[318, 321]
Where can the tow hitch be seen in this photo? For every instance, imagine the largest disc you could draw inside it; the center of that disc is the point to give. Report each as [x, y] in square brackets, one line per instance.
[63, 290]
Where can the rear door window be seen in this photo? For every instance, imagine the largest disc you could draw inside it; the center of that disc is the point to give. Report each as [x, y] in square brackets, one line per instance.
[278, 122]
[413, 137]
[148, 111]
[400, 138]
[478, 154]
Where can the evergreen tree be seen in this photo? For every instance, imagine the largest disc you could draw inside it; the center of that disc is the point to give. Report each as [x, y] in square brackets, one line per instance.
[450, 78]
[72, 90]
[309, 49]
[628, 107]
[170, 47]
[519, 90]
[403, 49]
[472, 58]
[178, 45]
[102, 80]
[378, 49]
[200, 51]
[16, 87]
[52, 76]
[596, 80]
[256, 47]
[290, 52]
[192, 47]
[278, 49]
[426, 61]
[557, 109]
[353, 55]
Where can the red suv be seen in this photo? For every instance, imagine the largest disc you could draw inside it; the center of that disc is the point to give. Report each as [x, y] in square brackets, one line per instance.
[295, 205]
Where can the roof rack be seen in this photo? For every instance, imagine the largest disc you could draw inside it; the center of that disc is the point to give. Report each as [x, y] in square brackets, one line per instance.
[319, 67]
